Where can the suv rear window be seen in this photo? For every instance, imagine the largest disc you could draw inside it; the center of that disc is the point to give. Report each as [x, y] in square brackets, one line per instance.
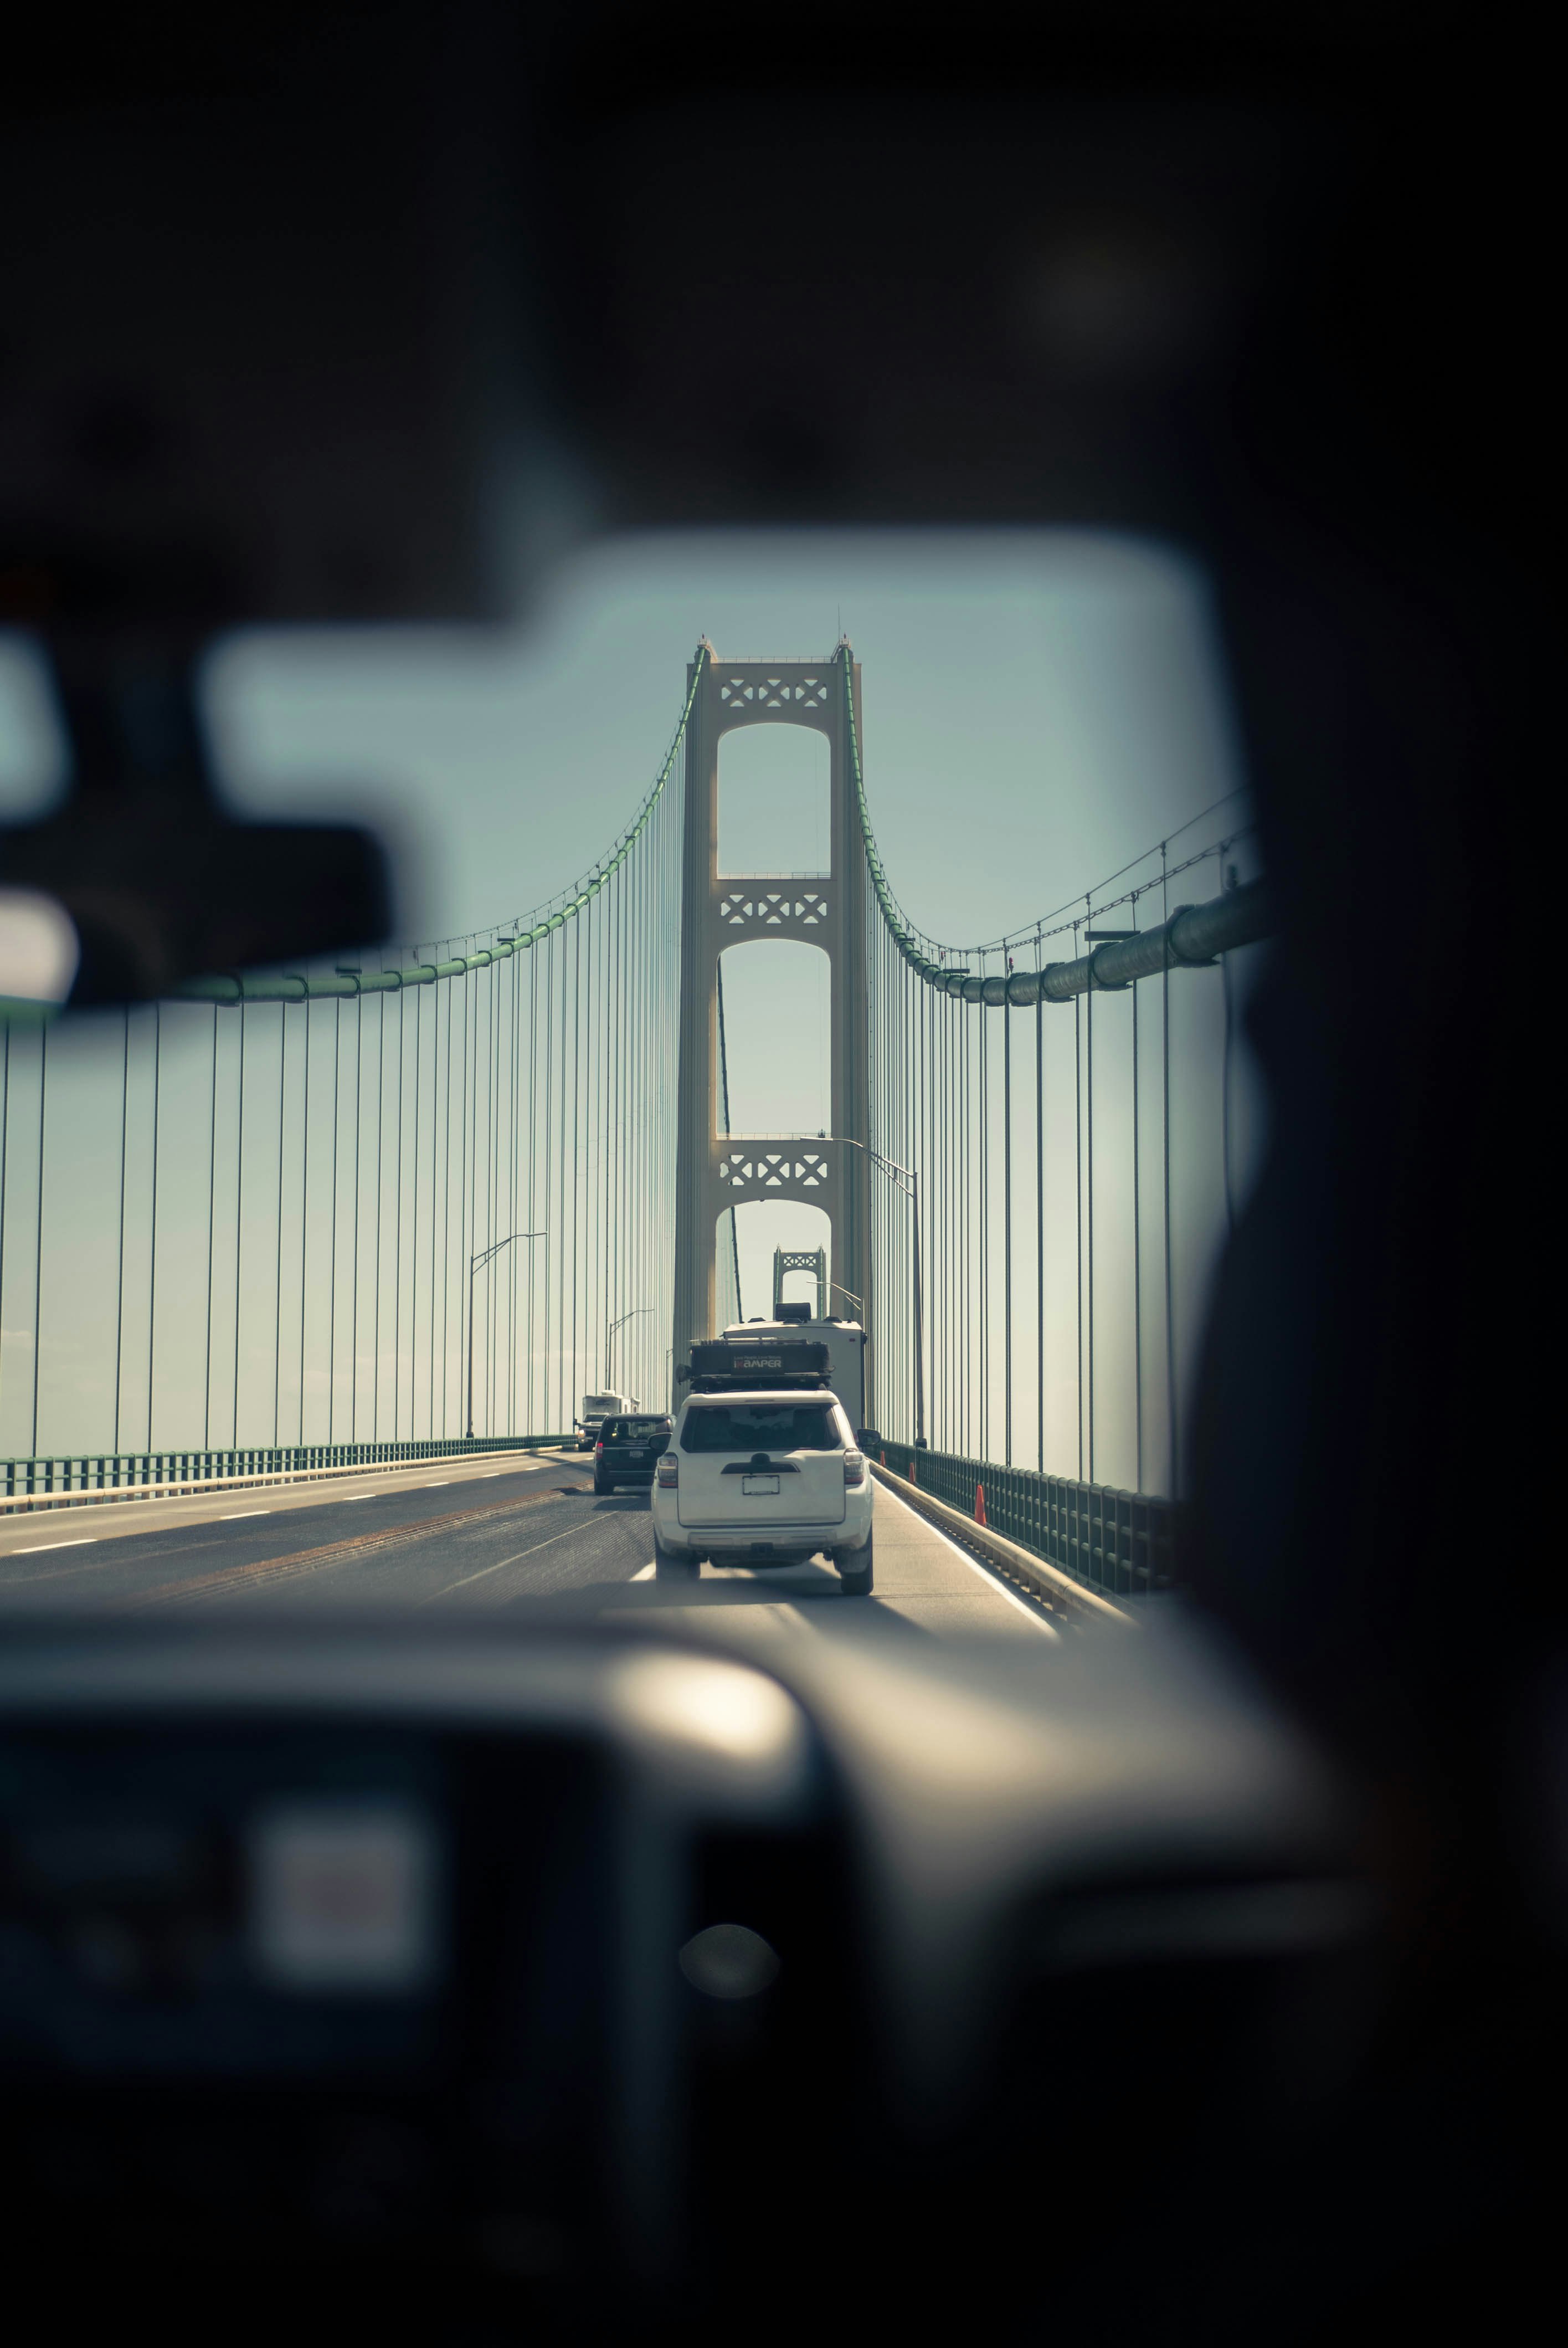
[762, 1426]
[633, 1430]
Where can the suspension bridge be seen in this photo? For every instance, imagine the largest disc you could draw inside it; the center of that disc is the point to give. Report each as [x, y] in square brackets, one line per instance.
[330, 1228]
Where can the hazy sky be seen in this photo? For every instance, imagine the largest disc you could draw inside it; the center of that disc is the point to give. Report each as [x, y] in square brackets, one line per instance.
[1051, 699]
[1038, 707]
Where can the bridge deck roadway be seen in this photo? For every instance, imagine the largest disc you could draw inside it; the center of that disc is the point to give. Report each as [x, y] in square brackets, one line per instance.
[529, 1535]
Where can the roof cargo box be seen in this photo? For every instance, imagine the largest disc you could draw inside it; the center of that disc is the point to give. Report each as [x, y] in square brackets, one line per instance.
[773, 1361]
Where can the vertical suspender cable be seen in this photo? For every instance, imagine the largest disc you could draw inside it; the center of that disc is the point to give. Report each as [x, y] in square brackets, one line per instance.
[354, 1287]
[212, 1240]
[380, 1186]
[278, 1273]
[1039, 1223]
[593, 1317]
[304, 1213]
[4, 1166]
[152, 1216]
[239, 1206]
[438, 1003]
[1088, 1176]
[552, 1352]
[436, 1126]
[1225, 1051]
[414, 1222]
[465, 1248]
[578, 1121]
[494, 1112]
[984, 1236]
[331, 1265]
[1007, 1217]
[397, 1240]
[569, 1170]
[513, 1220]
[534, 1427]
[1077, 1169]
[120, 1251]
[446, 1224]
[1174, 1469]
[39, 1255]
[1137, 1253]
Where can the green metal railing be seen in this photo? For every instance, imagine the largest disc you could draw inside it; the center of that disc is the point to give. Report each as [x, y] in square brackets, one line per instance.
[131, 1471]
[1119, 1544]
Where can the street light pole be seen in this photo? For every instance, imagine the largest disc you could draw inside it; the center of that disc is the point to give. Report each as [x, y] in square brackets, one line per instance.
[476, 1265]
[907, 1173]
[610, 1335]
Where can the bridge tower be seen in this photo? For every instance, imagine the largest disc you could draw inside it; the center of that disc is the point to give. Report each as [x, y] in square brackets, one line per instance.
[715, 1171]
[812, 1260]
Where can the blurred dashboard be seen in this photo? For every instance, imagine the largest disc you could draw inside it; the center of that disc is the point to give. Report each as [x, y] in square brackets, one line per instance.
[518, 1976]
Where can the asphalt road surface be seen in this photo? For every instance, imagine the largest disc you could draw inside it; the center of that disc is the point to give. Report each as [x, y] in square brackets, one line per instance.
[529, 1535]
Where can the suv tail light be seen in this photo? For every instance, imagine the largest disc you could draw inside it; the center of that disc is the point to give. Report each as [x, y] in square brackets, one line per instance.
[853, 1468]
[669, 1471]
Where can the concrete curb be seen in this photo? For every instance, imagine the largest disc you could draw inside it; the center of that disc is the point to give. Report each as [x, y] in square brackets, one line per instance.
[1047, 1583]
[25, 1504]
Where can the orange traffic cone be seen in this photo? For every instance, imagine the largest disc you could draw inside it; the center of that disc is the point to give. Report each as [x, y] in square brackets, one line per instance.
[979, 1504]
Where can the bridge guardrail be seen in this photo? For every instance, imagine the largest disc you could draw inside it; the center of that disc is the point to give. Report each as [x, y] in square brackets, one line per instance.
[1118, 1544]
[151, 1472]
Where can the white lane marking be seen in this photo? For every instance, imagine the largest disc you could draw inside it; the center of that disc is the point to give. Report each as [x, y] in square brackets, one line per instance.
[436, 1481]
[484, 1569]
[992, 1582]
[234, 1514]
[646, 1572]
[83, 1541]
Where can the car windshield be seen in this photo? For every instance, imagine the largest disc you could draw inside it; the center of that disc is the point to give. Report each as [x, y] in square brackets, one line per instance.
[301, 1273]
[761, 1427]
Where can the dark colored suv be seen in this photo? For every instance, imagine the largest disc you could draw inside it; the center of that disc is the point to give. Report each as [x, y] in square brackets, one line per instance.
[628, 1451]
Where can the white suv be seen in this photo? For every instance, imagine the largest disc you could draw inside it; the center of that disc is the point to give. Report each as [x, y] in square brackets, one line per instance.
[763, 1479]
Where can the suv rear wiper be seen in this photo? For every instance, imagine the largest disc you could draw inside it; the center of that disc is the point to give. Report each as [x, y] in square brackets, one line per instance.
[759, 1464]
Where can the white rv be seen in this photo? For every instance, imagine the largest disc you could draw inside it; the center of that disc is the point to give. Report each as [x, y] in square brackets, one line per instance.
[596, 1409]
[845, 1343]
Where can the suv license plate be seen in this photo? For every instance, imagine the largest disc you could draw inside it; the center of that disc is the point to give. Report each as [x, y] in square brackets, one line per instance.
[759, 1487]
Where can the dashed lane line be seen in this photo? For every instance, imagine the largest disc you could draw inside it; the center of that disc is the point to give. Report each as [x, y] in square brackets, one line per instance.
[485, 1570]
[267, 1571]
[83, 1541]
